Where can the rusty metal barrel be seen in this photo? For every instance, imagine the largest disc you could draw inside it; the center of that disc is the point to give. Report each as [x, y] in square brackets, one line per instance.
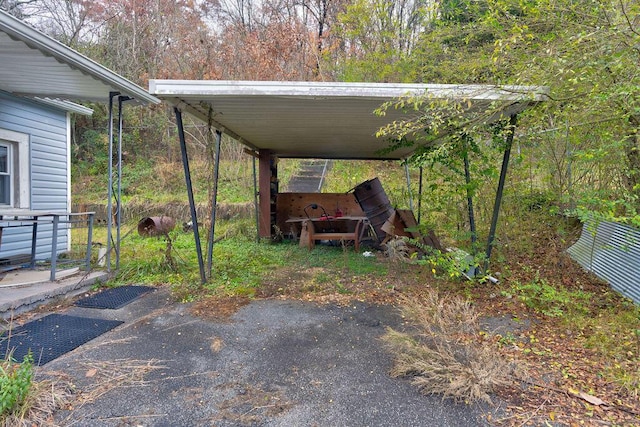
[374, 202]
[155, 226]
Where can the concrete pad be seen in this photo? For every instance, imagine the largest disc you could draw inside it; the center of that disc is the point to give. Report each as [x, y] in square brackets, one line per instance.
[23, 277]
[30, 289]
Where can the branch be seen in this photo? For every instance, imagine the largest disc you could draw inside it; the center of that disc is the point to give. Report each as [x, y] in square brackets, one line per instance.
[626, 17]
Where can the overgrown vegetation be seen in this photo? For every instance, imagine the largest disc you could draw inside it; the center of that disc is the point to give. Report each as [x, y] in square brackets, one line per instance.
[443, 354]
[15, 383]
[25, 400]
[582, 333]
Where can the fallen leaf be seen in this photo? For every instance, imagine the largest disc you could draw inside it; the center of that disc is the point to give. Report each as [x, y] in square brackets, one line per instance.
[591, 399]
[91, 373]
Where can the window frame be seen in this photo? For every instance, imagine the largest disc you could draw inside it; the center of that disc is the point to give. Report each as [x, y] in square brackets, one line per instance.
[9, 173]
[19, 165]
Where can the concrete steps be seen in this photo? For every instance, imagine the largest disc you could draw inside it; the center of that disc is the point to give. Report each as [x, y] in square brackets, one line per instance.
[309, 178]
[25, 290]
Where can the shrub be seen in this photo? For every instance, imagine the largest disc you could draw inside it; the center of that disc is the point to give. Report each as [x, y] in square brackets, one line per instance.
[441, 353]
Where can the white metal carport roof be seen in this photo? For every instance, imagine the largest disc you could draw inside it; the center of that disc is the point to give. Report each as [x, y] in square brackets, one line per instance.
[35, 65]
[320, 119]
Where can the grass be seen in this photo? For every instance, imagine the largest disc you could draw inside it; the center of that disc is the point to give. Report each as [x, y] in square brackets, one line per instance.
[550, 300]
[442, 355]
[580, 324]
[26, 400]
[239, 262]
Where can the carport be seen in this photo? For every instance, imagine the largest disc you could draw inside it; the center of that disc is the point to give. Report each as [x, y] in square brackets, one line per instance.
[323, 120]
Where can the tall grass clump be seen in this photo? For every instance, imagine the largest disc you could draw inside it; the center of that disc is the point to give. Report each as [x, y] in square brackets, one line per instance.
[15, 383]
[25, 401]
[441, 352]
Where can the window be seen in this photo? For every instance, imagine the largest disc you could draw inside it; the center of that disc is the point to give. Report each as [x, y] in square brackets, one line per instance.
[5, 175]
[15, 175]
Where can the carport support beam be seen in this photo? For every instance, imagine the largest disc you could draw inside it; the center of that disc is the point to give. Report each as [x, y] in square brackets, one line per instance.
[214, 202]
[406, 172]
[192, 204]
[264, 181]
[467, 179]
[256, 205]
[121, 100]
[420, 197]
[503, 175]
[110, 183]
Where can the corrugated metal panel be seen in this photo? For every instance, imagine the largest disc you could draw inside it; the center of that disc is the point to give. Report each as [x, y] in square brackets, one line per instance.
[612, 252]
[47, 127]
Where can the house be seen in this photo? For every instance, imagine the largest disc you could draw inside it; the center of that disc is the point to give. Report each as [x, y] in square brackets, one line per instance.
[35, 172]
[40, 82]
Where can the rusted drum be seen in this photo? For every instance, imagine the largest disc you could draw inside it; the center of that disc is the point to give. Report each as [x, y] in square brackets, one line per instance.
[155, 226]
[374, 202]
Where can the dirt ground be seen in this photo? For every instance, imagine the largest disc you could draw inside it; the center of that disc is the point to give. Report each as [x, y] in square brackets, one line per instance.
[565, 385]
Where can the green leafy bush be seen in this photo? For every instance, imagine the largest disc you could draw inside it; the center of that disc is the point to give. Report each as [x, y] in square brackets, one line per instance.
[549, 300]
[15, 383]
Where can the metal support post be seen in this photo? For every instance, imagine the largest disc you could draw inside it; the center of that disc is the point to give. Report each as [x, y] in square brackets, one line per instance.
[472, 221]
[420, 197]
[54, 247]
[406, 172]
[34, 242]
[110, 182]
[214, 201]
[121, 99]
[89, 241]
[192, 204]
[503, 175]
[255, 198]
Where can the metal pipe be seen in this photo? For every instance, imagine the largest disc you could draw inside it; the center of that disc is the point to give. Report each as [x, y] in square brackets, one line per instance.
[110, 182]
[503, 175]
[121, 100]
[192, 204]
[472, 221]
[324, 171]
[89, 242]
[214, 202]
[420, 196]
[255, 198]
[406, 171]
[54, 248]
[34, 242]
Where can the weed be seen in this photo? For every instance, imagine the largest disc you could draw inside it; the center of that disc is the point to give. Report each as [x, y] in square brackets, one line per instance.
[322, 277]
[615, 333]
[507, 339]
[549, 300]
[441, 355]
[15, 383]
[342, 289]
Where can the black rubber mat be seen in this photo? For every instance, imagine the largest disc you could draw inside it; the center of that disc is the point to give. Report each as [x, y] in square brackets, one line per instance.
[114, 298]
[52, 336]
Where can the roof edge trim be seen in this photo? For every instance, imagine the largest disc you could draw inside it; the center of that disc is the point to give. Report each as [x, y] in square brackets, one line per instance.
[35, 39]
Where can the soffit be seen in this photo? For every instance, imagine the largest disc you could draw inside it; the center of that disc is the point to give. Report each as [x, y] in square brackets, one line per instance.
[324, 120]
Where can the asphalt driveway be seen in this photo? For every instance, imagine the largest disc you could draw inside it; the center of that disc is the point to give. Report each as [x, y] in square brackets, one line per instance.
[273, 363]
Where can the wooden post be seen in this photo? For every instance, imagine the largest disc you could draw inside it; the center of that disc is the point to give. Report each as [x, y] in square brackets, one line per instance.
[264, 188]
